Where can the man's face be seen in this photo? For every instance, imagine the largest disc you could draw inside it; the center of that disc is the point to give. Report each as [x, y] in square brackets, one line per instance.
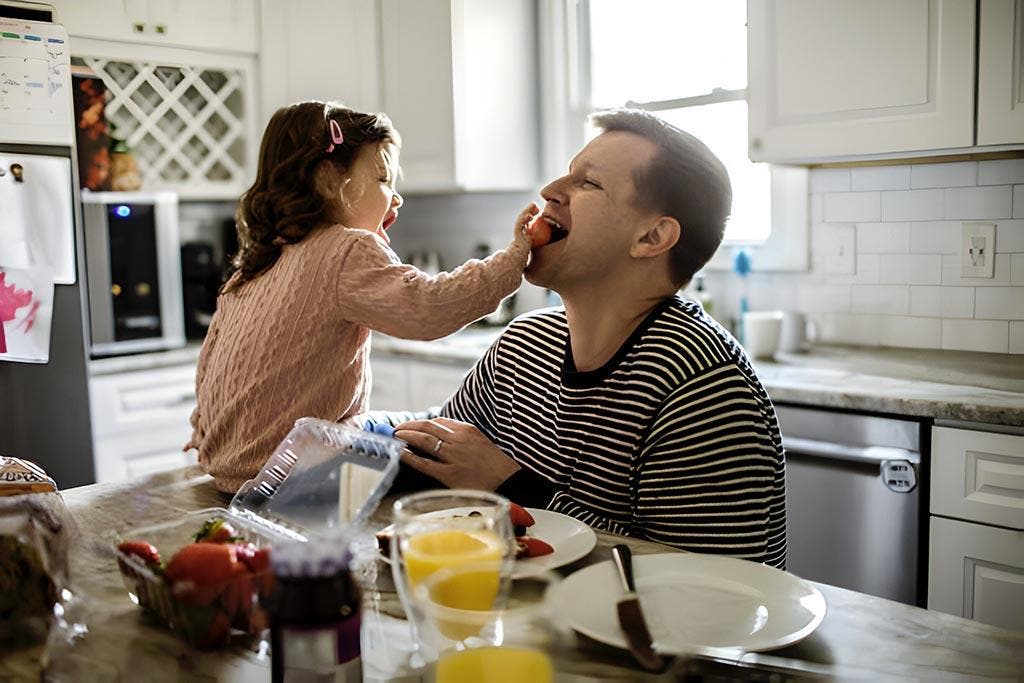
[595, 204]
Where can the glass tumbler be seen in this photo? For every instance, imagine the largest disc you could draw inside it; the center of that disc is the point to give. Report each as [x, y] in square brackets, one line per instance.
[516, 640]
[435, 530]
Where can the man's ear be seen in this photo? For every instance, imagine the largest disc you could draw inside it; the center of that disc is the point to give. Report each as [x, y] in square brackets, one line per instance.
[656, 238]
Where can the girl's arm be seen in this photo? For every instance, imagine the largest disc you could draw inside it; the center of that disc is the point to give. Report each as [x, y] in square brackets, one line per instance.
[377, 290]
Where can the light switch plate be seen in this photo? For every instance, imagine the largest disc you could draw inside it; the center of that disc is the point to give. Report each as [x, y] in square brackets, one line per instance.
[837, 247]
[978, 249]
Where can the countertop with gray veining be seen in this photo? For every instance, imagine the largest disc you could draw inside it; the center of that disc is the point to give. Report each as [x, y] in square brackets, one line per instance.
[946, 385]
[861, 637]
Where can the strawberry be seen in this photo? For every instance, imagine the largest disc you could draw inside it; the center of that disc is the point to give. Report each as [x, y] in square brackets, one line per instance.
[531, 547]
[257, 561]
[216, 531]
[519, 516]
[145, 551]
[219, 631]
[540, 232]
[199, 572]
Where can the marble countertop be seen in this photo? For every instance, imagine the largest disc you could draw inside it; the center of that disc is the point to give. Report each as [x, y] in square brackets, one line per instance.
[944, 385]
[861, 636]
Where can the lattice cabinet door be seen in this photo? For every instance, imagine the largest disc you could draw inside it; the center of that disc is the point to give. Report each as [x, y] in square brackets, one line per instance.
[188, 116]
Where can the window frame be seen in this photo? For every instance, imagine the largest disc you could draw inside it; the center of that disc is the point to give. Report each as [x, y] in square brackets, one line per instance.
[566, 102]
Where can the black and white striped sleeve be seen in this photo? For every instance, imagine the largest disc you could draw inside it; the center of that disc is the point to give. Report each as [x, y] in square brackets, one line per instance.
[708, 472]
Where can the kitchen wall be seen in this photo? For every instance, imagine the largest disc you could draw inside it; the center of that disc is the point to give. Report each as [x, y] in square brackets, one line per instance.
[885, 255]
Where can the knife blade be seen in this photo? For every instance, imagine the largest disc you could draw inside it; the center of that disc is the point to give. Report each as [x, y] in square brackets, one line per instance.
[631, 617]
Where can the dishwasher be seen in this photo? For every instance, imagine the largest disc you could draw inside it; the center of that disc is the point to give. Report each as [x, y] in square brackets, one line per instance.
[853, 500]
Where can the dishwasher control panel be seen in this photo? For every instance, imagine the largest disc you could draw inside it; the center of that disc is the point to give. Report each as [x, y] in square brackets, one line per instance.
[899, 475]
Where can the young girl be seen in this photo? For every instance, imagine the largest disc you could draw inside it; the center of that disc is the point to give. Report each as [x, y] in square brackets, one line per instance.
[313, 275]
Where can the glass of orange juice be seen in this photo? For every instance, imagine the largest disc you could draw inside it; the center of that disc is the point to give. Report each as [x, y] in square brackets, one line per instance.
[513, 641]
[435, 530]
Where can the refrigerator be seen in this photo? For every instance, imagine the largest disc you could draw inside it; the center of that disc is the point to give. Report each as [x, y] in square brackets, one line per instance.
[44, 392]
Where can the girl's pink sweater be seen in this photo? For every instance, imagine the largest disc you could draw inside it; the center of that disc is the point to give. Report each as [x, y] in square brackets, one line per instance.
[295, 341]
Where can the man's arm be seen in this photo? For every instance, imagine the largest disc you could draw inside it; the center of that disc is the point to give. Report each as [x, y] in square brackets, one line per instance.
[710, 472]
[464, 437]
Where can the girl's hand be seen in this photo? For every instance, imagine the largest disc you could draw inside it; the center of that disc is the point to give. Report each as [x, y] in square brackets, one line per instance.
[523, 227]
[461, 456]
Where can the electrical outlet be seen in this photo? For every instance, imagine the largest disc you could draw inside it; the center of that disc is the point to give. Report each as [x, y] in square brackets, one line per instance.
[978, 250]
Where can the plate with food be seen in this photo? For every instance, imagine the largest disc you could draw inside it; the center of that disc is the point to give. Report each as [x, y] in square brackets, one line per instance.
[544, 539]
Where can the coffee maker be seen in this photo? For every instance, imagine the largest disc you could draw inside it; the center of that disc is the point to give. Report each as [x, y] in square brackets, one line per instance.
[200, 280]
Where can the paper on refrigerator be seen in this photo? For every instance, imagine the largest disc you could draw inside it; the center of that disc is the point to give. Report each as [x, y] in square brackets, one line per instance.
[26, 308]
[37, 228]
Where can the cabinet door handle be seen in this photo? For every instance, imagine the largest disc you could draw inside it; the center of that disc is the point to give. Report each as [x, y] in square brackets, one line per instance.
[166, 398]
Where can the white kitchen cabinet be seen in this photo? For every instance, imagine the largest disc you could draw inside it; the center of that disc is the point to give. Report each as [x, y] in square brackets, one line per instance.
[222, 25]
[833, 78]
[977, 572]
[978, 476]
[140, 420]
[431, 383]
[1000, 77]
[390, 387]
[403, 383]
[319, 50]
[976, 541]
[459, 81]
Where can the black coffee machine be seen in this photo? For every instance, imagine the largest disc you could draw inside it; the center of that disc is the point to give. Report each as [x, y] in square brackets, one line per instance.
[200, 280]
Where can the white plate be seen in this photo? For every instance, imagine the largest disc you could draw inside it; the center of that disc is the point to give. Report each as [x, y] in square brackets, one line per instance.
[694, 603]
[571, 539]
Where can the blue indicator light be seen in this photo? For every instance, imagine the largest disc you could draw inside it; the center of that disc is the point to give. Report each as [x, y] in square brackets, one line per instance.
[123, 211]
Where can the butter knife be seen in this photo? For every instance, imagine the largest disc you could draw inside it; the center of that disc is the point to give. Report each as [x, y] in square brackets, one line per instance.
[631, 618]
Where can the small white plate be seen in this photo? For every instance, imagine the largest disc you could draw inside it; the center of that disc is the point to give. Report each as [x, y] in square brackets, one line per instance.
[703, 604]
[571, 539]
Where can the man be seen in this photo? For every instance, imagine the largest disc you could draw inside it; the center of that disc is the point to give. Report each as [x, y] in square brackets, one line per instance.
[631, 409]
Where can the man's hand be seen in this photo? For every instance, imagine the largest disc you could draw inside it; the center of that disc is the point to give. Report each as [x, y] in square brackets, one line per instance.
[465, 458]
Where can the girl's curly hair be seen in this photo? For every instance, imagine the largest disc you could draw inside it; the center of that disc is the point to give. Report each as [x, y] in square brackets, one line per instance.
[283, 204]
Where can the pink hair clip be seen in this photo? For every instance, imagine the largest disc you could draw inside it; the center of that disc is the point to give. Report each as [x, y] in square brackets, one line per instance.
[336, 137]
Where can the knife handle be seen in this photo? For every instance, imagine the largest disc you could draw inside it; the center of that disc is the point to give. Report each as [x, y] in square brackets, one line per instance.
[624, 562]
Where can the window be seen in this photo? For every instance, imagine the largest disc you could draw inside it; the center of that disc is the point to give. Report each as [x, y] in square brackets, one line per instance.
[685, 61]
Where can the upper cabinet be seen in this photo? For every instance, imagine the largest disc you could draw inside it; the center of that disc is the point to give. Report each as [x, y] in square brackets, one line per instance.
[832, 78]
[319, 50]
[1001, 72]
[459, 81]
[209, 25]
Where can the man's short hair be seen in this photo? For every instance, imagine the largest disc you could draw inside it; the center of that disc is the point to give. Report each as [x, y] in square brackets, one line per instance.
[685, 181]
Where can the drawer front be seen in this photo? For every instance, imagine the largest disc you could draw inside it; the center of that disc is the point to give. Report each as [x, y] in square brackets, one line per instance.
[977, 572]
[978, 476]
[432, 384]
[390, 386]
[142, 400]
[120, 456]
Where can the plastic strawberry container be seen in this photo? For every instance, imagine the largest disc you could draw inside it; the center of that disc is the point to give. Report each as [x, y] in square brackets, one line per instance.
[321, 484]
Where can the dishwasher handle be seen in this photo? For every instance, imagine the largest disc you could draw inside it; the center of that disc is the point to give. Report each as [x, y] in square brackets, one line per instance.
[868, 455]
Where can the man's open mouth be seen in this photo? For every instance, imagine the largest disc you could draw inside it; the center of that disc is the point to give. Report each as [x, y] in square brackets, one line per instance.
[558, 232]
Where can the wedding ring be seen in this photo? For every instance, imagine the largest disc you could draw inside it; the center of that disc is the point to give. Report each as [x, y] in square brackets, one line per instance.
[437, 446]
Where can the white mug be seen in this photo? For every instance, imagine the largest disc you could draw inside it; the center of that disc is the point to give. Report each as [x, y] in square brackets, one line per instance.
[798, 333]
[761, 331]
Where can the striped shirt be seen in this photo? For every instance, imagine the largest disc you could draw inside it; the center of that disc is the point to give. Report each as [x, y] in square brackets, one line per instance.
[673, 440]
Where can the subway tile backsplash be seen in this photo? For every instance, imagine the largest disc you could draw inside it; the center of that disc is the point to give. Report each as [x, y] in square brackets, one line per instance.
[901, 286]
